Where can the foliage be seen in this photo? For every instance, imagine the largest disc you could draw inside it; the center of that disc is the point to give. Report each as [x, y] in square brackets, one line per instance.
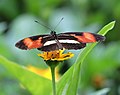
[34, 83]
[101, 66]
[69, 82]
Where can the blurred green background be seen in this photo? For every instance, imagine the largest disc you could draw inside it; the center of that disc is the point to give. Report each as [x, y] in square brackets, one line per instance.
[100, 70]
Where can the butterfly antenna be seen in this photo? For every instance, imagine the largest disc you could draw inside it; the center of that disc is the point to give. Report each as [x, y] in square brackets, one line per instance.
[43, 25]
[58, 23]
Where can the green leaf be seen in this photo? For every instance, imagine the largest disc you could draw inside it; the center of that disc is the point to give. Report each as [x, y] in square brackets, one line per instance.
[36, 84]
[68, 84]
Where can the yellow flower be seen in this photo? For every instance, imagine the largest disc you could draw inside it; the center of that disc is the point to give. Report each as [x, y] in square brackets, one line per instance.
[56, 55]
[44, 72]
[52, 59]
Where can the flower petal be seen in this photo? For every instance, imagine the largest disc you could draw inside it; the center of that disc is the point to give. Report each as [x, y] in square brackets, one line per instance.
[56, 55]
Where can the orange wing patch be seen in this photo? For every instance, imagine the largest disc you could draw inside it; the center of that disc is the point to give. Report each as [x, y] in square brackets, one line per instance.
[32, 43]
[85, 38]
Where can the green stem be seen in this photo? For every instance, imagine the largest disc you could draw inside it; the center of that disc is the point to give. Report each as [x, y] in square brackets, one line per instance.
[53, 79]
[52, 65]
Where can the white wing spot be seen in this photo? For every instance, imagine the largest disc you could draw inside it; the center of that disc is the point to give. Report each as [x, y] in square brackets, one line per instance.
[61, 41]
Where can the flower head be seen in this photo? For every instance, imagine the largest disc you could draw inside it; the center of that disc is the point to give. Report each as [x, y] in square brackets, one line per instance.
[52, 59]
[56, 55]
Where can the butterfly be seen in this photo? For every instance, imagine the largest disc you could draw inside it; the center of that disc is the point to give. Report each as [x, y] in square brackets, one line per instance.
[53, 41]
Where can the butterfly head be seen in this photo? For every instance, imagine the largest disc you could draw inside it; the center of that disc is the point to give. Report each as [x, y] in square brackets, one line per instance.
[53, 33]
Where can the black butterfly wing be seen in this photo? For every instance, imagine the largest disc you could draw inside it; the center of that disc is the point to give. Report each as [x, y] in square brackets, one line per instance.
[33, 42]
[68, 40]
[84, 37]
[68, 46]
[73, 40]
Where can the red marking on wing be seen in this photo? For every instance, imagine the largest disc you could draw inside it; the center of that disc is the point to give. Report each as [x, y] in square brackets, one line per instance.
[85, 38]
[32, 43]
